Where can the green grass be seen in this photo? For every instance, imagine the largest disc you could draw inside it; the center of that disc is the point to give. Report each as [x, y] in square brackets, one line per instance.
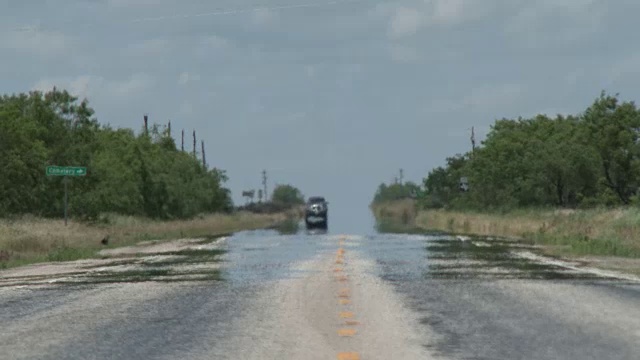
[32, 240]
[601, 232]
[70, 253]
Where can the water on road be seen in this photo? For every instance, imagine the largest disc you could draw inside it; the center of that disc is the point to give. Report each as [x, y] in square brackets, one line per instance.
[268, 295]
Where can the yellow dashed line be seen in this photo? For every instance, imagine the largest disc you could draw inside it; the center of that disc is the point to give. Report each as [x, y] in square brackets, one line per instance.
[346, 332]
[344, 295]
[348, 356]
[346, 314]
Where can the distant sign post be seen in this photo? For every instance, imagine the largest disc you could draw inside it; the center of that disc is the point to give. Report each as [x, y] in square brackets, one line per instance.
[66, 171]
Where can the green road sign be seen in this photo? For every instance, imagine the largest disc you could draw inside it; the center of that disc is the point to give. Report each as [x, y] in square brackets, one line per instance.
[66, 171]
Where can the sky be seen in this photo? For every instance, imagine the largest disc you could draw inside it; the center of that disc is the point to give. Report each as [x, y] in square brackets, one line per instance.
[333, 97]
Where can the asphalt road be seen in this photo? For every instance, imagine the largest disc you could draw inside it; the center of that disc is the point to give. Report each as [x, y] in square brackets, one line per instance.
[261, 295]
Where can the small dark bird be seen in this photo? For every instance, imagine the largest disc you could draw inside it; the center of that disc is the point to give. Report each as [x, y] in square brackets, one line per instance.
[105, 240]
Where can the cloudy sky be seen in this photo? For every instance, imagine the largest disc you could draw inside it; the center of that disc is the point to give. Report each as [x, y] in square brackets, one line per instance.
[331, 96]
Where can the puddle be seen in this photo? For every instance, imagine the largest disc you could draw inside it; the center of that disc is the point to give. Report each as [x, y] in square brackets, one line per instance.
[252, 256]
[440, 256]
[180, 260]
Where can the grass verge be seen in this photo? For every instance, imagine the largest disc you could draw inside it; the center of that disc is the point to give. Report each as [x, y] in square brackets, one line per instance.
[29, 240]
[593, 232]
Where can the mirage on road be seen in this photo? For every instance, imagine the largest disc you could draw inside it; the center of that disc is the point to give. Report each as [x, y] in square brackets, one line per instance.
[262, 295]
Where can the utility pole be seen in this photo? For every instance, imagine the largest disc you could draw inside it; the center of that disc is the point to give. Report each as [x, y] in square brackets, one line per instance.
[204, 157]
[146, 124]
[473, 140]
[401, 176]
[169, 128]
[194, 143]
[264, 183]
[182, 143]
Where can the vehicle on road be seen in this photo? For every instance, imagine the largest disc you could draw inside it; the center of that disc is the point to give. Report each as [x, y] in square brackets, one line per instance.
[316, 213]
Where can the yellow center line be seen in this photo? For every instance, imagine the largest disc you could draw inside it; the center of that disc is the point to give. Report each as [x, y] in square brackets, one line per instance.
[348, 356]
[346, 332]
[346, 314]
[344, 295]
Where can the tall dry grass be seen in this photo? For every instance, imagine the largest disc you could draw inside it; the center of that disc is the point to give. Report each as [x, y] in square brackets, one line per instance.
[609, 232]
[32, 239]
[402, 211]
[586, 232]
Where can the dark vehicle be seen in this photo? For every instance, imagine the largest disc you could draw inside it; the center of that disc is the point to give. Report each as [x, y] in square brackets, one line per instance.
[316, 213]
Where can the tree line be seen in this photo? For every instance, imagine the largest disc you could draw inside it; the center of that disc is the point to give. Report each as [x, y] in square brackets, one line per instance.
[576, 161]
[283, 197]
[396, 191]
[133, 174]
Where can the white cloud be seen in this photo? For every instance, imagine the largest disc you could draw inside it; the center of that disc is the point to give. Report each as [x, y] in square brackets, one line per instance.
[310, 71]
[625, 68]
[547, 22]
[130, 3]
[404, 54]
[491, 97]
[136, 83]
[186, 108]
[214, 41]
[81, 86]
[448, 11]
[211, 43]
[483, 98]
[186, 77]
[97, 86]
[405, 21]
[263, 16]
[33, 41]
[575, 75]
[151, 47]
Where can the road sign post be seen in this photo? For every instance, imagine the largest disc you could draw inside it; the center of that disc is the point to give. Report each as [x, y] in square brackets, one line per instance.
[66, 171]
[66, 199]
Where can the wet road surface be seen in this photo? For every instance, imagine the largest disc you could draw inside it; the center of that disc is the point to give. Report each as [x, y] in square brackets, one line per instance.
[263, 295]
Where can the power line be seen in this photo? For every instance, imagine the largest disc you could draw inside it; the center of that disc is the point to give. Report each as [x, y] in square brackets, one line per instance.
[218, 12]
[247, 10]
